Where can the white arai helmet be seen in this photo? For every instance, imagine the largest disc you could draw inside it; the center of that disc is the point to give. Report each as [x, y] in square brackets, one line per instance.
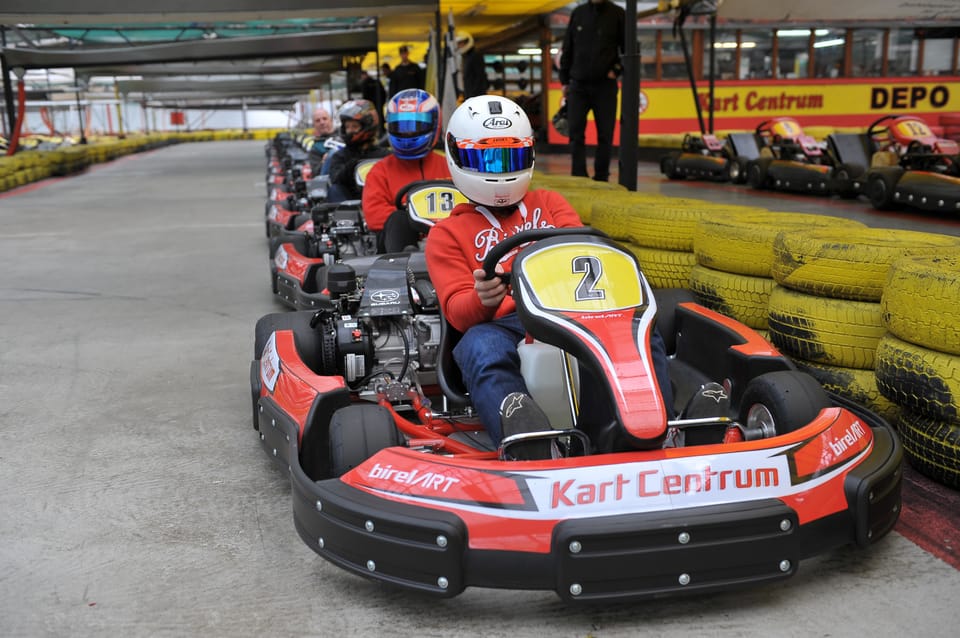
[489, 148]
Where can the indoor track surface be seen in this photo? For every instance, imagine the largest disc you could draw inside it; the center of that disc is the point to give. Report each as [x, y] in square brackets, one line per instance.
[137, 500]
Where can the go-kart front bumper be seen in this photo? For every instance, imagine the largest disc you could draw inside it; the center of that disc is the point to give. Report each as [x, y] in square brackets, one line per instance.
[602, 558]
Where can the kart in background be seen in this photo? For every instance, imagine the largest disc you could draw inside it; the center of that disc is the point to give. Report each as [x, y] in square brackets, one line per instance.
[302, 259]
[914, 167]
[706, 157]
[394, 479]
[789, 160]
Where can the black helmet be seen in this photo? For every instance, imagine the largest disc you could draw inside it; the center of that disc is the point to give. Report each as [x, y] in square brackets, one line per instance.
[364, 112]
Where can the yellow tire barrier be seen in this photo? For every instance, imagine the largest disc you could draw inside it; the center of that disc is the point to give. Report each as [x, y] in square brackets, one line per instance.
[741, 297]
[931, 446]
[919, 379]
[858, 385]
[664, 268]
[838, 332]
[921, 301]
[742, 242]
[848, 263]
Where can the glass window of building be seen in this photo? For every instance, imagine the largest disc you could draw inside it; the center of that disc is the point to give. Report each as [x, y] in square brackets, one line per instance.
[793, 52]
[828, 49]
[938, 56]
[867, 53]
[647, 45]
[756, 54]
[903, 53]
[724, 54]
[671, 58]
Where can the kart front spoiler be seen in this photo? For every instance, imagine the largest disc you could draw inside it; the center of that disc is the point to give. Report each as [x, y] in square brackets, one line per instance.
[604, 558]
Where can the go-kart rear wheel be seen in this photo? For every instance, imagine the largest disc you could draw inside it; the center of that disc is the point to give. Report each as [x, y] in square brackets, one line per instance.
[880, 188]
[668, 166]
[779, 402]
[757, 175]
[357, 432]
[841, 181]
[736, 170]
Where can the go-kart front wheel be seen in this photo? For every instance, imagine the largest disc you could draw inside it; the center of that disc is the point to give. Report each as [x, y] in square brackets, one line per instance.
[357, 432]
[779, 402]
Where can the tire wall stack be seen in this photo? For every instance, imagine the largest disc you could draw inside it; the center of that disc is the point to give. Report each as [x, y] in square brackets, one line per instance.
[659, 231]
[918, 360]
[827, 312]
[734, 260]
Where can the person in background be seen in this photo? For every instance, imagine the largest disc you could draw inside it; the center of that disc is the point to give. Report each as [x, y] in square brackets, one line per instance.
[359, 128]
[407, 74]
[589, 68]
[372, 90]
[475, 80]
[413, 128]
[323, 130]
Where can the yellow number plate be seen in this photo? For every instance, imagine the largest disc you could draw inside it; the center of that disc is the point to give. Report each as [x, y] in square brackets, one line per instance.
[434, 203]
[583, 278]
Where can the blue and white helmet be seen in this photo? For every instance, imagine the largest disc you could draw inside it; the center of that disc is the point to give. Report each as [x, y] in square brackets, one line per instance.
[413, 123]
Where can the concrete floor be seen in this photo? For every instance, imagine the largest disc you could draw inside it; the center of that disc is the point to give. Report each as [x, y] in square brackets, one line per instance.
[137, 500]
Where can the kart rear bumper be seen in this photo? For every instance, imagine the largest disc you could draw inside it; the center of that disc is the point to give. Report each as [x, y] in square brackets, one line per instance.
[290, 292]
[623, 557]
[799, 177]
[710, 167]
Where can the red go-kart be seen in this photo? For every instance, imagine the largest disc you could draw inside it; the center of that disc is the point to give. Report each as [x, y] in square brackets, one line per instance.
[790, 160]
[393, 479]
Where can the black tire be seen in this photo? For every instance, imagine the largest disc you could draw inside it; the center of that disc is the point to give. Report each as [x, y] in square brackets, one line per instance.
[309, 340]
[757, 175]
[841, 180]
[793, 399]
[667, 301]
[357, 432]
[668, 166]
[736, 170]
[880, 188]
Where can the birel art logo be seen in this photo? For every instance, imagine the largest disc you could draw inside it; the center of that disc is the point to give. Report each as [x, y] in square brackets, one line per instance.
[415, 478]
[853, 434]
[497, 123]
[655, 483]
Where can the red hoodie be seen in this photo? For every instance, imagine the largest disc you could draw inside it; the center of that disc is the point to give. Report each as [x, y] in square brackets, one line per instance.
[389, 176]
[457, 245]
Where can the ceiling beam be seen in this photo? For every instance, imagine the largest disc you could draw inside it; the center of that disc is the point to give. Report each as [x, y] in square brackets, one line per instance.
[345, 42]
[63, 12]
[293, 65]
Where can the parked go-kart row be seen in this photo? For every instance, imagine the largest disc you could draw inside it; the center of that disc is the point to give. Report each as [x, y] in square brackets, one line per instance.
[394, 479]
[897, 161]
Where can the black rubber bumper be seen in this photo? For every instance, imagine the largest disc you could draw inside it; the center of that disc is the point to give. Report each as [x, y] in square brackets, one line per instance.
[798, 177]
[625, 557]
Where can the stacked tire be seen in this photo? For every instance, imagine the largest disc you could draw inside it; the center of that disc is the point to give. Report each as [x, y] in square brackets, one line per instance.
[734, 259]
[826, 312]
[659, 231]
[918, 360]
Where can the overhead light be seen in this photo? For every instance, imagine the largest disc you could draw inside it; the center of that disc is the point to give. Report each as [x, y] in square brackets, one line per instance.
[733, 45]
[829, 43]
[798, 33]
[530, 51]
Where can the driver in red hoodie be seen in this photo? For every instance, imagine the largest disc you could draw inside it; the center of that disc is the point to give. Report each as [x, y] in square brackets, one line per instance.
[490, 152]
[413, 127]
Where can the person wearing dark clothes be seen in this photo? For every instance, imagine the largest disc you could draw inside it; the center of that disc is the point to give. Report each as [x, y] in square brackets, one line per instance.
[373, 91]
[407, 74]
[589, 68]
[359, 127]
[475, 80]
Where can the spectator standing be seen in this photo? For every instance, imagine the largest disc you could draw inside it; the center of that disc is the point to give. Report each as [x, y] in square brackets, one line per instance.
[407, 74]
[589, 68]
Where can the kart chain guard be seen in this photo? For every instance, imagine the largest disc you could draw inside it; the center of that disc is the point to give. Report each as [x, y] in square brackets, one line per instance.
[587, 296]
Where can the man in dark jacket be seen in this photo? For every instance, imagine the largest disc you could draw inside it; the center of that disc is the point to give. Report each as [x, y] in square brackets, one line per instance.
[589, 68]
[407, 74]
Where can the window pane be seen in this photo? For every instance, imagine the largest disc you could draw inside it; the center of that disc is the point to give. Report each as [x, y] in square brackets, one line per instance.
[756, 54]
[792, 52]
[724, 56]
[828, 48]
[903, 52]
[672, 59]
[647, 45]
[867, 52]
[937, 56]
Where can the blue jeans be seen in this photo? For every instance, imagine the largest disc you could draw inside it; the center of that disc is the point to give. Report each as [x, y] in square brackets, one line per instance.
[490, 365]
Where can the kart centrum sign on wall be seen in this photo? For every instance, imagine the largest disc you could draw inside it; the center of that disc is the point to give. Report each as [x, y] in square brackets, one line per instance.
[668, 107]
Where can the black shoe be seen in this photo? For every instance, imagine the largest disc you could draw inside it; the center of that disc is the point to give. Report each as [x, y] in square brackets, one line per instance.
[598, 178]
[520, 414]
[711, 400]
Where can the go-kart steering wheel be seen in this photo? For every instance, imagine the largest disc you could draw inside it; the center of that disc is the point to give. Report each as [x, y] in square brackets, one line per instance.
[497, 252]
[873, 129]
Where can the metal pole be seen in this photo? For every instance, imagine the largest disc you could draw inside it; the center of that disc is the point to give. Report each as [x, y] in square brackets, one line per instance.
[83, 136]
[693, 81]
[7, 89]
[630, 101]
[713, 42]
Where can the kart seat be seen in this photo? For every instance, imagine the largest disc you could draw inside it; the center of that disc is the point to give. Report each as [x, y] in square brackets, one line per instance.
[744, 145]
[448, 373]
[884, 158]
[850, 148]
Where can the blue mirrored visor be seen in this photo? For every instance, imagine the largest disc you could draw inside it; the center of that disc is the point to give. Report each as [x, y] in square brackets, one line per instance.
[411, 125]
[492, 155]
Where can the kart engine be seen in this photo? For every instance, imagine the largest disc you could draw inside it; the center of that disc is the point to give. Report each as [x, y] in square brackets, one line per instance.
[385, 334]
